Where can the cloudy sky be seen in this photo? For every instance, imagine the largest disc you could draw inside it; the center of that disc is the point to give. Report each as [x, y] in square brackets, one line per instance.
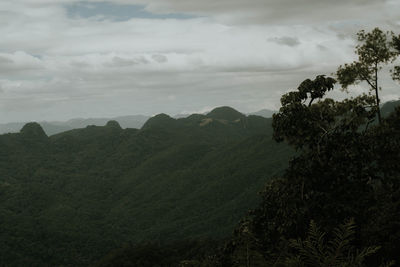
[61, 59]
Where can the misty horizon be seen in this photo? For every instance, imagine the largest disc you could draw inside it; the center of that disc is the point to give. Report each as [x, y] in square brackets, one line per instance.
[176, 116]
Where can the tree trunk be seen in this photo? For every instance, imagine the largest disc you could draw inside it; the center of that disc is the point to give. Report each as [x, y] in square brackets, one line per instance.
[377, 94]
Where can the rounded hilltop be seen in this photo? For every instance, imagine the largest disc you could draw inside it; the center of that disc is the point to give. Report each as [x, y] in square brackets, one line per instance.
[159, 121]
[225, 113]
[113, 124]
[33, 129]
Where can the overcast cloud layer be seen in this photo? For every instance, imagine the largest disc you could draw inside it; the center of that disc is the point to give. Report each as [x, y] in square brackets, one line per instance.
[65, 59]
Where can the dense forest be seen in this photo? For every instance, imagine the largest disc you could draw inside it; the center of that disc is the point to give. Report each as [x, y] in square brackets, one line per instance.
[177, 192]
[70, 198]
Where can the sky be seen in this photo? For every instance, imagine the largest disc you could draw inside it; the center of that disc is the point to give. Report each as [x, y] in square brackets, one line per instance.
[62, 59]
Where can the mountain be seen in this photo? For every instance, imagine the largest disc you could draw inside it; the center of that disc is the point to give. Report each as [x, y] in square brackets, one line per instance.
[266, 113]
[388, 107]
[133, 121]
[11, 127]
[55, 127]
[70, 198]
[160, 121]
[137, 121]
[181, 116]
[225, 113]
[33, 130]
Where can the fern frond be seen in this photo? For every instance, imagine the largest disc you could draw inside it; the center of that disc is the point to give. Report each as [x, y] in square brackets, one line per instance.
[315, 252]
[343, 235]
[388, 264]
[312, 249]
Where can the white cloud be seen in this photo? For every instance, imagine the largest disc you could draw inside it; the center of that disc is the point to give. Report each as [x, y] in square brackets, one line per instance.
[239, 53]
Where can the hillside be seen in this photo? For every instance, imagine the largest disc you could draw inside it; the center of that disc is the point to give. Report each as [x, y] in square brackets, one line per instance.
[55, 127]
[266, 113]
[70, 198]
[389, 107]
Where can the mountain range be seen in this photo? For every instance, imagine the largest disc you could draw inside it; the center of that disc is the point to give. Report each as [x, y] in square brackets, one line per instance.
[70, 198]
[54, 127]
[129, 121]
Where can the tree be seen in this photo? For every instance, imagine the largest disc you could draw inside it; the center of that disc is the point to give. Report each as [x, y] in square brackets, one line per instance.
[343, 169]
[305, 123]
[396, 70]
[374, 51]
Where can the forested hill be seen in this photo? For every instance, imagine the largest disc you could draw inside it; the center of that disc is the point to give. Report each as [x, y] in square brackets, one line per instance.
[129, 121]
[55, 127]
[70, 198]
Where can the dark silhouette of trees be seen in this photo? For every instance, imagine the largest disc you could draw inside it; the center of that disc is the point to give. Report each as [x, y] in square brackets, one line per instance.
[316, 251]
[304, 123]
[344, 168]
[375, 50]
[396, 70]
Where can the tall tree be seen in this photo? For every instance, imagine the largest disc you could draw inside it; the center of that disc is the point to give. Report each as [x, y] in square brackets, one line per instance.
[374, 51]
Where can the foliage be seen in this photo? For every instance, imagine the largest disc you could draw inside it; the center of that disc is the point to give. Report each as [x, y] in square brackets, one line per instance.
[178, 253]
[374, 51]
[349, 170]
[315, 251]
[306, 125]
[396, 70]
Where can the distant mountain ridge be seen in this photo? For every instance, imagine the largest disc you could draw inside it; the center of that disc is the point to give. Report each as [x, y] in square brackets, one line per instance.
[266, 113]
[137, 121]
[55, 127]
[129, 121]
[389, 106]
[98, 187]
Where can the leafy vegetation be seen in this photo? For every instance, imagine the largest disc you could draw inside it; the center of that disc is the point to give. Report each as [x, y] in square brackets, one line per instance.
[374, 51]
[316, 251]
[351, 173]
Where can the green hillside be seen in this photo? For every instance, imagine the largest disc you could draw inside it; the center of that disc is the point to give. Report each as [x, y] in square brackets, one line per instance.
[70, 198]
[389, 107]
